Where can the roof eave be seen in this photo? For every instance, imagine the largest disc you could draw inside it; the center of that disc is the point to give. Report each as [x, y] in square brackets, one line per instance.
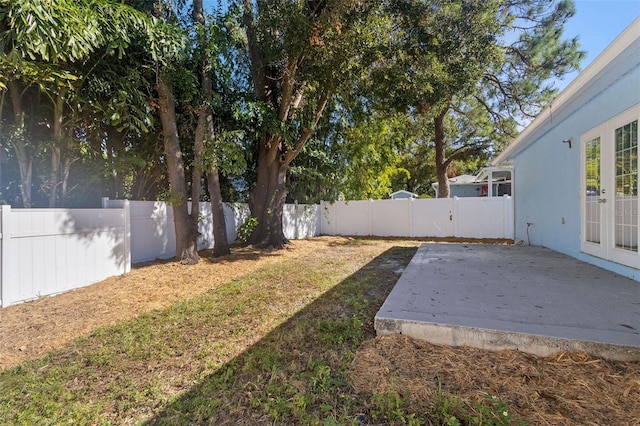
[628, 36]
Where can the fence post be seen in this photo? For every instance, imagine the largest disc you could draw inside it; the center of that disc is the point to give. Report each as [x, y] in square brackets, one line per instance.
[329, 213]
[5, 249]
[319, 216]
[455, 214]
[508, 217]
[127, 236]
[410, 217]
[105, 202]
[371, 217]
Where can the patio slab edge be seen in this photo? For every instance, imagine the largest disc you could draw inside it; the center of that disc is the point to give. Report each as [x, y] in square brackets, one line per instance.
[529, 299]
[497, 340]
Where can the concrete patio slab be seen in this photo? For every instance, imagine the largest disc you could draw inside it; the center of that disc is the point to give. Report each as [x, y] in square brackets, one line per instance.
[498, 297]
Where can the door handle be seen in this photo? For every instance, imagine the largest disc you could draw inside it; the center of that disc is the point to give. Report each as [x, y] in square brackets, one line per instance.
[602, 200]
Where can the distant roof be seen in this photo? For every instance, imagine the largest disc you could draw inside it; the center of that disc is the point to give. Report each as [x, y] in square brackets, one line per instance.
[403, 192]
[462, 179]
[624, 40]
[498, 175]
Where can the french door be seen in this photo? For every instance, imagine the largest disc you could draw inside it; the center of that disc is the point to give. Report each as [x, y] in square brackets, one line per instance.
[610, 223]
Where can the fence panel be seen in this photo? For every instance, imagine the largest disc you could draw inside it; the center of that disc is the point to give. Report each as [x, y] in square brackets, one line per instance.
[153, 232]
[235, 214]
[477, 217]
[391, 218]
[346, 218]
[301, 221]
[433, 218]
[149, 237]
[48, 251]
[486, 217]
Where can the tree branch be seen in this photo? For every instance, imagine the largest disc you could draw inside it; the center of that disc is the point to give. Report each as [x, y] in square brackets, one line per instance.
[255, 53]
[288, 82]
[290, 155]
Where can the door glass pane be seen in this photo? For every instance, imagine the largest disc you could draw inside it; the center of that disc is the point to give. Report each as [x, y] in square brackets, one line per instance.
[592, 207]
[626, 199]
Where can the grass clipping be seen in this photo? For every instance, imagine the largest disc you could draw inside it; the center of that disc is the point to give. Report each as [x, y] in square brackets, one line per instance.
[564, 389]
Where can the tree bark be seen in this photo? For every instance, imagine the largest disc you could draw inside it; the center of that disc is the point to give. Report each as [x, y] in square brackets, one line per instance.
[441, 156]
[54, 175]
[186, 227]
[19, 144]
[220, 241]
[64, 187]
[205, 123]
[268, 197]
[279, 88]
[56, 148]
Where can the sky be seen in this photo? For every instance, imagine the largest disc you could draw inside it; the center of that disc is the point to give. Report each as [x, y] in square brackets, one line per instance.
[597, 23]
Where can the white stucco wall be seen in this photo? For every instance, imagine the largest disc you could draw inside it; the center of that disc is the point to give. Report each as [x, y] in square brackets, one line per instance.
[547, 171]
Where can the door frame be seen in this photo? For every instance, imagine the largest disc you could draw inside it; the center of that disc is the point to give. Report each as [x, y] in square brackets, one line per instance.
[607, 249]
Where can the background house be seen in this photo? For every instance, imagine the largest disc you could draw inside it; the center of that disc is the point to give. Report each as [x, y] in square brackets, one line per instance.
[402, 194]
[479, 186]
[576, 165]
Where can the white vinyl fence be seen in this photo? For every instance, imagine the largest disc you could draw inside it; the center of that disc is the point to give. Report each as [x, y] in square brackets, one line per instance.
[153, 233]
[48, 251]
[486, 217]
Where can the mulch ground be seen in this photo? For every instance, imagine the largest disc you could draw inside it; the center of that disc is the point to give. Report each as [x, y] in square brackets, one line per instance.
[567, 388]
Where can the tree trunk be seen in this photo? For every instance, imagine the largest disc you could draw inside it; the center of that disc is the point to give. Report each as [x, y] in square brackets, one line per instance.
[186, 227]
[281, 90]
[441, 160]
[220, 242]
[56, 148]
[205, 122]
[54, 175]
[19, 144]
[196, 172]
[268, 197]
[66, 169]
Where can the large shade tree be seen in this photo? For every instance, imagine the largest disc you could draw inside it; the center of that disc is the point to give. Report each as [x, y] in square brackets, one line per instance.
[301, 54]
[486, 62]
[472, 64]
[187, 85]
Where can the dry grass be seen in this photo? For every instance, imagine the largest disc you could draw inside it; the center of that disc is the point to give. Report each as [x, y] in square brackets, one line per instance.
[564, 389]
[29, 330]
[224, 356]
